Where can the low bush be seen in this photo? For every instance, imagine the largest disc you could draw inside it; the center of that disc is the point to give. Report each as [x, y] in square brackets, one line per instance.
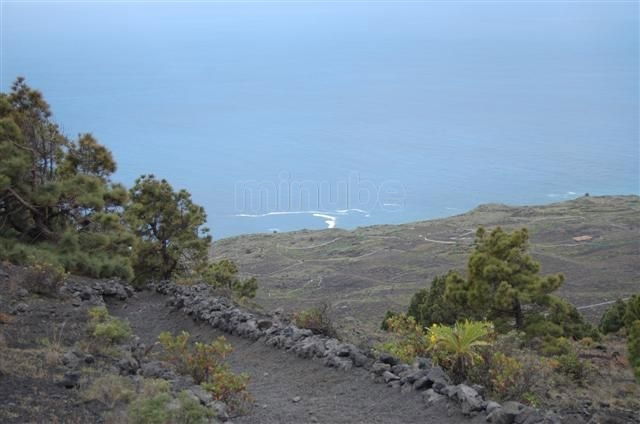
[44, 279]
[571, 365]
[633, 344]
[223, 274]
[431, 306]
[613, 318]
[317, 319]
[106, 329]
[555, 346]
[205, 363]
[190, 411]
[110, 390]
[201, 361]
[409, 338]
[229, 388]
[510, 372]
[384, 325]
[458, 347]
[632, 312]
[150, 410]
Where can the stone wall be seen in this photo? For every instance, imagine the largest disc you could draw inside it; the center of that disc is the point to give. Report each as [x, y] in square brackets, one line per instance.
[435, 385]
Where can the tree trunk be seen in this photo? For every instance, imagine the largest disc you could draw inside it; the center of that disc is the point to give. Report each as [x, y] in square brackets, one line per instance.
[517, 312]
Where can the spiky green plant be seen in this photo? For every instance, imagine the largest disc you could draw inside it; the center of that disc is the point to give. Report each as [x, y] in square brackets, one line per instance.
[458, 347]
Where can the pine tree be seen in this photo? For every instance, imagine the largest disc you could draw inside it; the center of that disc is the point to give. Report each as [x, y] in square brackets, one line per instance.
[170, 227]
[503, 280]
[55, 193]
[430, 306]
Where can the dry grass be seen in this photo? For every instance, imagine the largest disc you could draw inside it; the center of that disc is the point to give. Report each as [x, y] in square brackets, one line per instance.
[24, 363]
[53, 347]
[110, 390]
[6, 318]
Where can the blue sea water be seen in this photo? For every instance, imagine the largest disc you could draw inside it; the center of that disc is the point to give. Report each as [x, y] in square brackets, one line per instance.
[281, 116]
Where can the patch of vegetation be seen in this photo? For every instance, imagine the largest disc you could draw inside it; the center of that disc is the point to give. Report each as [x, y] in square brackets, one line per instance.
[457, 348]
[150, 410]
[633, 345]
[571, 365]
[59, 207]
[105, 329]
[317, 319]
[54, 347]
[56, 191]
[632, 311]
[190, 411]
[205, 363]
[613, 318]
[385, 321]
[430, 306]
[169, 227]
[511, 372]
[555, 346]
[110, 390]
[44, 279]
[410, 338]
[223, 275]
[502, 285]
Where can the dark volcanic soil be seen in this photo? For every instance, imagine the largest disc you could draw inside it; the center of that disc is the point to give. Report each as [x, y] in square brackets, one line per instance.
[327, 395]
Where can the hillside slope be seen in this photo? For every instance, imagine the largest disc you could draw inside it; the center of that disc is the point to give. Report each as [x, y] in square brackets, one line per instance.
[276, 377]
[364, 272]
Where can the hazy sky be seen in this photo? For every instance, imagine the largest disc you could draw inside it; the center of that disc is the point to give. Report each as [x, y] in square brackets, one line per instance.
[207, 94]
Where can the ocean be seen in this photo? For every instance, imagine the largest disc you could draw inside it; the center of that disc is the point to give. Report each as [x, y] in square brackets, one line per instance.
[280, 116]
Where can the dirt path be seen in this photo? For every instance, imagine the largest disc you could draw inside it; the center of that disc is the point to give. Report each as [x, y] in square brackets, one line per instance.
[327, 395]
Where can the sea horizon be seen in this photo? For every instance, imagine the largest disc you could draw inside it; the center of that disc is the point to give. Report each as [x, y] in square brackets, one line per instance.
[279, 117]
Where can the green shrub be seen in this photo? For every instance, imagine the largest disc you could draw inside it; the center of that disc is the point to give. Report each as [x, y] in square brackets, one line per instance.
[632, 312]
[431, 306]
[190, 411]
[205, 363]
[317, 319]
[506, 376]
[110, 390]
[613, 318]
[94, 264]
[113, 331]
[511, 372]
[458, 347]
[154, 386]
[107, 329]
[229, 388]
[538, 326]
[555, 346]
[571, 365]
[98, 314]
[633, 344]
[562, 320]
[223, 275]
[410, 339]
[385, 321]
[151, 410]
